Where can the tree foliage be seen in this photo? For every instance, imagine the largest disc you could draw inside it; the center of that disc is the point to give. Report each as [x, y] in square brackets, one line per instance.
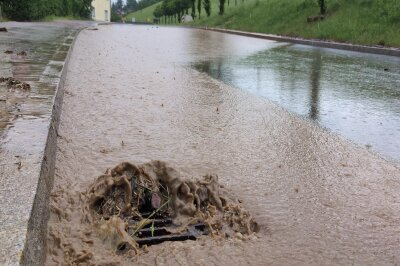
[322, 6]
[25, 10]
[221, 7]
[199, 8]
[158, 12]
[174, 8]
[193, 6]
[207, 7]
[119, 7]
[115, 16]
[131, 6]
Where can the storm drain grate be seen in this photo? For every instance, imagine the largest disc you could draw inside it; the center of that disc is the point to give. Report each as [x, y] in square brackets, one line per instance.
[157, 231]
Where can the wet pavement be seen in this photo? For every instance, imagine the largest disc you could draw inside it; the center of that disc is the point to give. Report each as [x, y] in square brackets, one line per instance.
[36, 54]
[46, 46]
[133, 93]
[356, 95]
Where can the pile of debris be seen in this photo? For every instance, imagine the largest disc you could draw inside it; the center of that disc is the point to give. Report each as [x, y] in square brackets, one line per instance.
[22, 53]
[315, 18]
[136, 205]
[13, 83]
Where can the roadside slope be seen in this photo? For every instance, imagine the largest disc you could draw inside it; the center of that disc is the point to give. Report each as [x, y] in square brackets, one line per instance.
[360, 21]
[143, 15]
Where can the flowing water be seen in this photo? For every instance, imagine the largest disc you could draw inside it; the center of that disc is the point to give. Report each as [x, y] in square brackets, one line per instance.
[46, 46]
[134, 93]
[353, 94]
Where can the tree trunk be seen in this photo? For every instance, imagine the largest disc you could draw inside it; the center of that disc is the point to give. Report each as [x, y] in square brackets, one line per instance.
[322, 7]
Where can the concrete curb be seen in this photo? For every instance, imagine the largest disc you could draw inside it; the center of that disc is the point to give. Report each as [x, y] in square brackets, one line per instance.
[319, 43]
[34, 252]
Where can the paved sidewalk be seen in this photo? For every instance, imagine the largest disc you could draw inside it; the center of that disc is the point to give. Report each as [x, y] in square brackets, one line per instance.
[28, 123]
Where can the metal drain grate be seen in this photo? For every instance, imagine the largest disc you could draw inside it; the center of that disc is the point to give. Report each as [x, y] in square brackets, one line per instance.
[157, 232]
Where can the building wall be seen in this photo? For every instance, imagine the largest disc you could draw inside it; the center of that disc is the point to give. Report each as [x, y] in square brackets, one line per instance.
[99, 10]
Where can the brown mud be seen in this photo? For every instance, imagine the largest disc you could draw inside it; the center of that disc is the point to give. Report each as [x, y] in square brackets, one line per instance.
[14, 92]
[110, 212]
[317, 198]
[113, 205]
[15, 84]
[22, 53]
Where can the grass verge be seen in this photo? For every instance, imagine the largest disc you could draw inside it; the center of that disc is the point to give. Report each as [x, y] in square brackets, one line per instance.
[54, 18]
[356, 21]
[368, 22]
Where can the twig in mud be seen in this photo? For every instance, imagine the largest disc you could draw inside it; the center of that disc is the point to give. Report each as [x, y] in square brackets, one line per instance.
[140, 185]
[166, 189]
[144, 221]
[152, 228]
[138, 197]
[168, 197]
[119, 210]
[185, 226]
[83, 258]
[211, 229]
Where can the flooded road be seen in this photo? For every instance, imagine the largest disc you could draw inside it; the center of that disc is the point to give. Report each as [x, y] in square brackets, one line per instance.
[133, 95]
[356, 95]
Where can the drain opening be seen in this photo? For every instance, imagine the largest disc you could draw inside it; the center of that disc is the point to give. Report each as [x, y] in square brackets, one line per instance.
[148, 204]
[159, 230]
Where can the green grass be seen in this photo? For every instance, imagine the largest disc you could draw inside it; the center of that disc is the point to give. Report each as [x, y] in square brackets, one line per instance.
[144, 15]
[356, 21]
[3, 19]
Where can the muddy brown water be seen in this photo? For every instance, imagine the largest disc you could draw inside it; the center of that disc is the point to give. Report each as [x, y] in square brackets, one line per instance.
[132, 95]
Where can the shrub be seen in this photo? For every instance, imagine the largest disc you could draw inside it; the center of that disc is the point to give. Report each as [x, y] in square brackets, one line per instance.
[389, 10]
[24, 10]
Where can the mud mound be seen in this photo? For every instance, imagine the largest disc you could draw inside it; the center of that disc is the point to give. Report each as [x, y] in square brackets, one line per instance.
[126, 202]
[14, 84]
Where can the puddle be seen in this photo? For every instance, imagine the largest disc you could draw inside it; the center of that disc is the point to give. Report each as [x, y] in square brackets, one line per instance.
[28, 82]
[356, 95]
[28, 52]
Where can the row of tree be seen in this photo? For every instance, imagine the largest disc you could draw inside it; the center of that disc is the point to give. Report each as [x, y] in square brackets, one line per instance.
[24, 10]
[120, 8]
[172, 10]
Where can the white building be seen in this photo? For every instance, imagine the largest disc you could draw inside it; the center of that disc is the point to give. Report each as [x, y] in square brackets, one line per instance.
[101, 10]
